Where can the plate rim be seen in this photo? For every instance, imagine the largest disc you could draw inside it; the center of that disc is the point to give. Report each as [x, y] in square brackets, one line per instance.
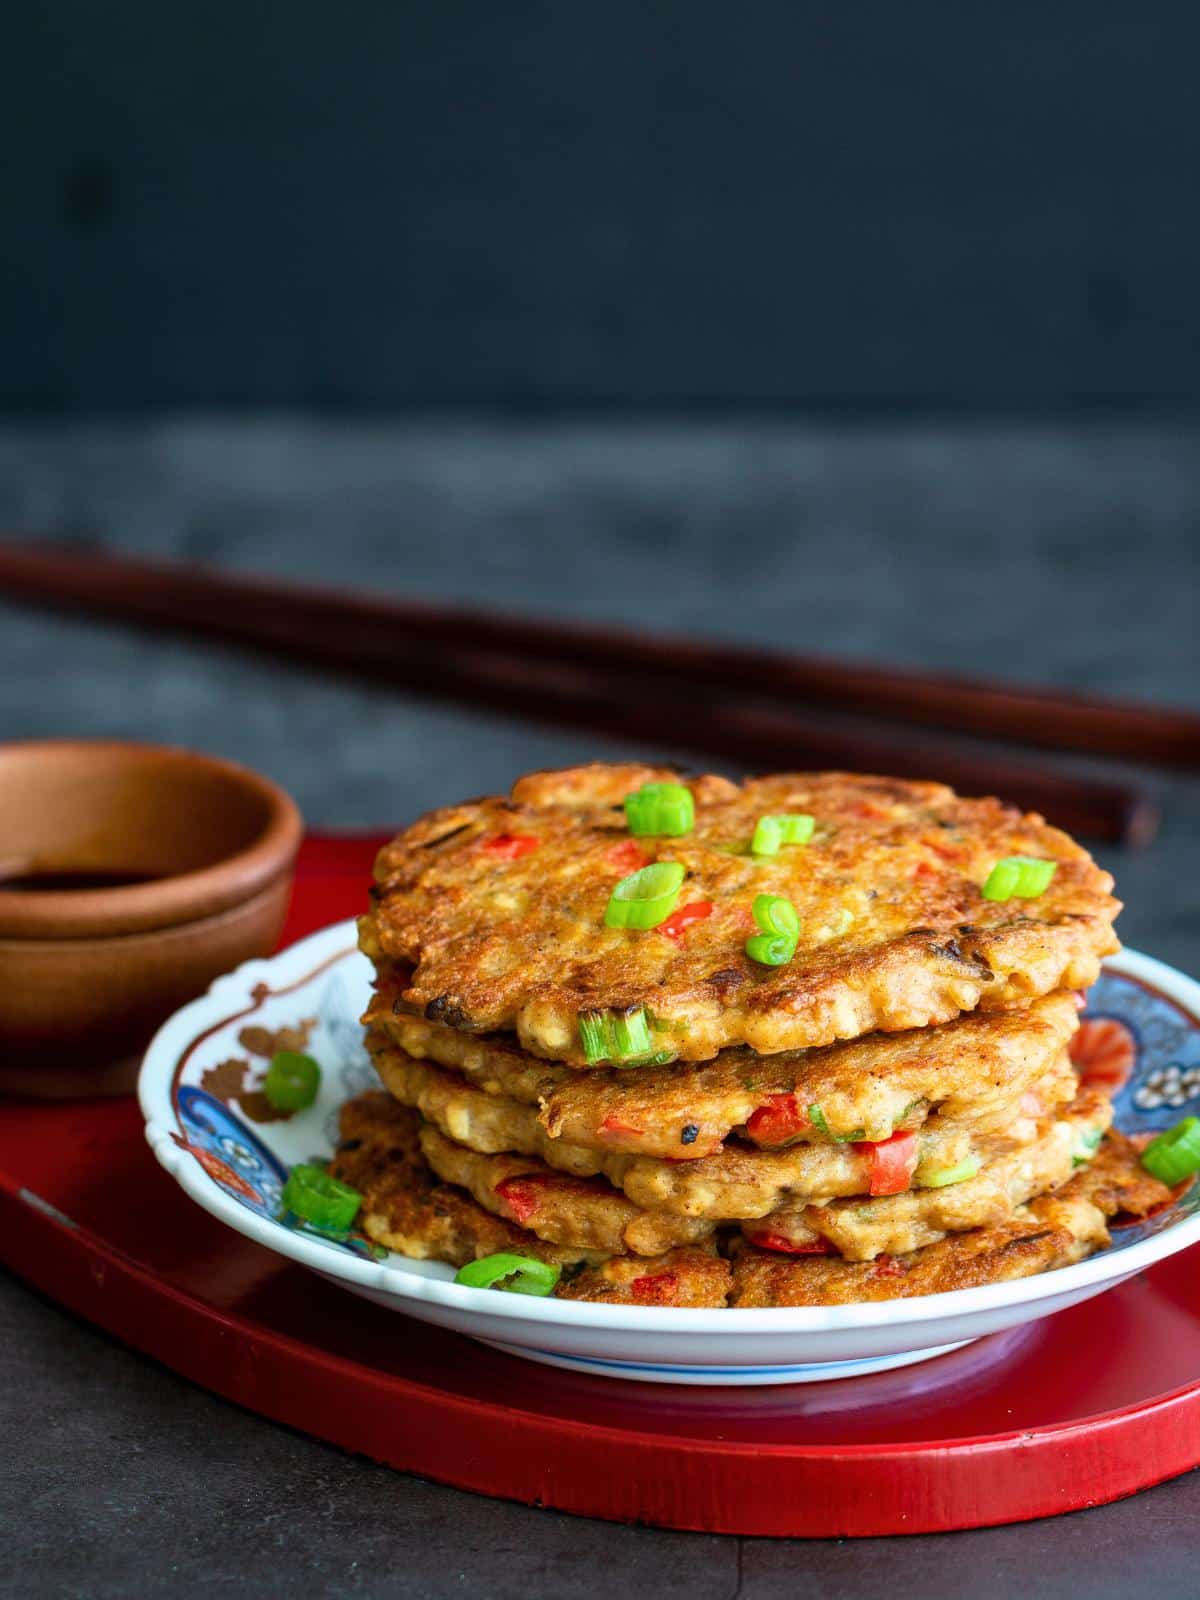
[329, 946]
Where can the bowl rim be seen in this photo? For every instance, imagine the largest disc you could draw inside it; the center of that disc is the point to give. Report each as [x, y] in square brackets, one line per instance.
[322, 952]
[181, 898]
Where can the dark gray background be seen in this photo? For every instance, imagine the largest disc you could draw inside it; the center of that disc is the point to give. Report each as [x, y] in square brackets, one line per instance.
[1065, 555]
[687, 204]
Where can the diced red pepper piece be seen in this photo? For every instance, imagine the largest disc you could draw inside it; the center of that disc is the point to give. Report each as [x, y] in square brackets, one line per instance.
[886, 1267]
[780, 1118]
[946, 851]
[627, 856]
[614, 1124]
[694, 911]
[893, 1162]
[511, 846]
[655, 1287]
[522, 1193]
[923, 869]
[869, 811]
[767, 1240]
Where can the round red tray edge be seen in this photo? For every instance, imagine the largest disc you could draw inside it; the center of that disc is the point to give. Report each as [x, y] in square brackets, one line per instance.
[886, 1489]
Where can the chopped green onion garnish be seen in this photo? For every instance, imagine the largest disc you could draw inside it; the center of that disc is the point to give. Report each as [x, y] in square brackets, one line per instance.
[622, 1037]
[794, 827]
[646, 897]
[1174, 1155]
[630, 1035]
[292, 1081]
[312, 1194]
[774, 914]
[770, 949]
[660, 808]
[956, 1174]
[768, 836]
[780, 929]
[1087, 1142]
[1024, 877]
[593, 1031]
[516, 1274]
[819, 1121]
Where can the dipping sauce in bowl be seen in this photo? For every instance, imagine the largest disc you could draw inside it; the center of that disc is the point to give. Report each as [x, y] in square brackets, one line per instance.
[130, 876]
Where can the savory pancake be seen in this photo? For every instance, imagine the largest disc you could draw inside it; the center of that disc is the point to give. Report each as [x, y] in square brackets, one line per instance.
[895, 1224]
[691, 1276]
[584, 1212]
[737, 1181]
[974, 1071]
[406, 1209]
[1050, 1232]
[492, 914]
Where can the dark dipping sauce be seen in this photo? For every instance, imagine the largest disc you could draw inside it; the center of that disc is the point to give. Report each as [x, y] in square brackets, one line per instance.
[56, 882]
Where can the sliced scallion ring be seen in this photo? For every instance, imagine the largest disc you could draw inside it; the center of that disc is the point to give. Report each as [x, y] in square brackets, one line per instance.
[775, 914]
[770, 949]
[1087, 1142]
[1019, 877]
[779, 929]
[1174, 1155]
[516, 1274]
[292, 1081]
[622, 1037]
[646, 897]
[959, 1173]
[310, 1193]
[821, 1123]
[789, 827]
[665, 809]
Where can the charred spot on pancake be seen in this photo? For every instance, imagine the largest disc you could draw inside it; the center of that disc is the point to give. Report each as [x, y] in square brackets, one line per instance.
[444, 1009]
[725, 983]
[949, 949]
[444, 838]
[1026, 1239]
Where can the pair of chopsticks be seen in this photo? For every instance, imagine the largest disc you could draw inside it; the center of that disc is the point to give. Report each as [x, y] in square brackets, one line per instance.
[764, 708]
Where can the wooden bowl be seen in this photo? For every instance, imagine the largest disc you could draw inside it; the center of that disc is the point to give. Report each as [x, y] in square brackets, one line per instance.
[130, 877]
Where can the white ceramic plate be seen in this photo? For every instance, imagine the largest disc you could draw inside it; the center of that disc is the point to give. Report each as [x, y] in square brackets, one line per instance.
[1145, 1024]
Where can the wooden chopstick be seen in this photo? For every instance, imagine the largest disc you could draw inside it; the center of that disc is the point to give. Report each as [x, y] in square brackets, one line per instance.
[1058, 720]
[620, 685]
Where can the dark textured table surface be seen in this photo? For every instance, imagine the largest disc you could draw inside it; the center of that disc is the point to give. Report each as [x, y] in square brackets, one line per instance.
[1063, 555]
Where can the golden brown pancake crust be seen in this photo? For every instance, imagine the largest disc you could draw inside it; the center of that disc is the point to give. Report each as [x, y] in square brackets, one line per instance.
[895, 933]
[690, 1276]
[404, 1206]
[582, 1212]
[737, 1181]
[407, 1209]
[973, 1070]
[1052, 1231]
[861, 1229]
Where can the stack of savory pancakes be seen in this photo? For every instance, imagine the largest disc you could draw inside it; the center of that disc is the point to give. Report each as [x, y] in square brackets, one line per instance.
[884, 1107]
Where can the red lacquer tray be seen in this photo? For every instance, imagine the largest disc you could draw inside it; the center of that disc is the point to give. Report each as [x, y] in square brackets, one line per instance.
[1089, 1405]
